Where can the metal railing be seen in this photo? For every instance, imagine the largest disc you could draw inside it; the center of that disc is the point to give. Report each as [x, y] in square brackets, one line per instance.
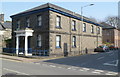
[30, 50]
[9, 50]
[40, 52]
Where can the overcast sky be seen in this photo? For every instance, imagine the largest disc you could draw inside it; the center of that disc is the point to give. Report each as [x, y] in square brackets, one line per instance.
[100, 10]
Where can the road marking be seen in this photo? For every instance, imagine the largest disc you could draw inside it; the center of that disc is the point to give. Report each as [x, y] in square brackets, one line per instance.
[44, 64]
[111, 54]
[37, 63]
[69, 68]
[111, 73]
[100, 58]
[117, 62]
[15, 71]
[81, 70]
[85, 69]
[74, 68]
[109, 63]
[52, 66]
[95, 72]
[98, 70]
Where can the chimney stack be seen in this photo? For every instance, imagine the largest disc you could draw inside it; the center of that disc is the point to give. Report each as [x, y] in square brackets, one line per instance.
[2, 18]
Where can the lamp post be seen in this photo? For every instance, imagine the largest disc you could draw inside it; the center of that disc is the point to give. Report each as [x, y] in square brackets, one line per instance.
[82, 22]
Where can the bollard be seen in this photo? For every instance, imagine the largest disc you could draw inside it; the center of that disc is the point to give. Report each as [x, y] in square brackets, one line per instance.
[86, 50]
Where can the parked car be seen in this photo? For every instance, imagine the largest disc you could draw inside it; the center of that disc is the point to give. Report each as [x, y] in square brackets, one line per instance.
[112, 47]
[101, 49]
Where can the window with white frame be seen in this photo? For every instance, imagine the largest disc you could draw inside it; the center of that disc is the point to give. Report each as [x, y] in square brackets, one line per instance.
[92, 29]
[58, 41]
[39, 41]
[98, 30]
[28, 22]
[73, 25]
[58, 22]
[84, 27]
[18, 24]
[73, 41]
[39, 20]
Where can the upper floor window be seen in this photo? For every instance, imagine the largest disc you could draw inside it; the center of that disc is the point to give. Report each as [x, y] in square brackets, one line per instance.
[39, 20]
[58, 22]
[27, 22]
[92, 29]
[39, 41]
[18, 24]
[84, 27]
[98, 30]
[73, 25]
[58, 41]
[73, 41]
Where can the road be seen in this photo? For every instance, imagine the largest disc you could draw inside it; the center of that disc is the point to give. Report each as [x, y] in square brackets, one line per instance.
[92, 64]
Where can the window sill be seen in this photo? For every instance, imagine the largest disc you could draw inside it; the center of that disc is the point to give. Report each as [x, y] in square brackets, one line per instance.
[74, 30]
[84, 31]
[73, 46]
[58, 47]
[58, 27]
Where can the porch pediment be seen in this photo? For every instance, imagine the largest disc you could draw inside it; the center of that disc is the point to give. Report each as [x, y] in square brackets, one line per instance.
[25, 32]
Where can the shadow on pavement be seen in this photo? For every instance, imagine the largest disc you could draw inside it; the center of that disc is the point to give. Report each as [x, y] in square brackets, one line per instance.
[93, 61]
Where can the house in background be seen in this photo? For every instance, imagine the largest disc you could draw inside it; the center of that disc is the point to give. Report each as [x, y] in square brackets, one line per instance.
[119, 38]
[111, 35]
[5, 31]
[55, 29]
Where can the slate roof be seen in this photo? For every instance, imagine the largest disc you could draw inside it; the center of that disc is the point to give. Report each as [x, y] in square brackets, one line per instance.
[54, 7]
[44, 6]
[1, 26]
[5, 25]
[107, 26]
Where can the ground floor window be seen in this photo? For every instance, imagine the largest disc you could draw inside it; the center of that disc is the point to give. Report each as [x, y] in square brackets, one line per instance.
[58, 41]
[73, 41]
[39, 42]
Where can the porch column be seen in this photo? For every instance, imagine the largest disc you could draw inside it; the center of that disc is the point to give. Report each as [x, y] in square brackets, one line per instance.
[17, 45]
[26, 45]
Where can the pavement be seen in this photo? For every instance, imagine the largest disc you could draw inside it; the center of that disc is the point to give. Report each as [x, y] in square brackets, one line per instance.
[33, 59]
[91, 64]
[28, 59]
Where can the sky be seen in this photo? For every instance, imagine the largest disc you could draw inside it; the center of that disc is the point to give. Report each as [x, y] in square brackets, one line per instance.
[99, 11]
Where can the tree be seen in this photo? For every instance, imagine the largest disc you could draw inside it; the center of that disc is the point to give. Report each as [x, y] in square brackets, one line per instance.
[94, 19]
[112, 20]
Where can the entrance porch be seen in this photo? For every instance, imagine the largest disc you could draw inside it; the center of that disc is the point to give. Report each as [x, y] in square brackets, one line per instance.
[24, 34]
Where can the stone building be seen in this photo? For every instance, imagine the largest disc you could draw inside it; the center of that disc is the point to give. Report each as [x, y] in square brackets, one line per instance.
[111, 35]
[5, 31]
[56, 29]
[119, 38]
